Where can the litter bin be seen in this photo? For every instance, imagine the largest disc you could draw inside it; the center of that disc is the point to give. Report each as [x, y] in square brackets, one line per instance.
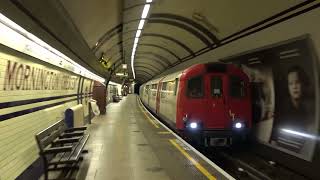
[74, 116]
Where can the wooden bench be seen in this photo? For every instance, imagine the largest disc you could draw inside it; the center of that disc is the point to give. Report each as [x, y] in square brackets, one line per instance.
[61, 147]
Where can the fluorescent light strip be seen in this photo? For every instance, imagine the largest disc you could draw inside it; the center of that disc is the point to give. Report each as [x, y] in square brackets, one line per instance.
[144, 15]
[145, 11]
[136, 40]
[15, 37]
[141, 23]
[138, 33]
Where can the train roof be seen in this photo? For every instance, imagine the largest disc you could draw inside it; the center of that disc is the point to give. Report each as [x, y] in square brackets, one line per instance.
[210, 68]
[197, 70]
[169, 77]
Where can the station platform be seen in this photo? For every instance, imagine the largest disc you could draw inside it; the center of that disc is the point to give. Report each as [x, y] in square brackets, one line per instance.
[127, 143]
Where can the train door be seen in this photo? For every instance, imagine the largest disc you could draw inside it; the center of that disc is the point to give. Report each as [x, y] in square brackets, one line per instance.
[216, 101]
[195, 104]
[238, 99]
[149, 94]
[158, 97]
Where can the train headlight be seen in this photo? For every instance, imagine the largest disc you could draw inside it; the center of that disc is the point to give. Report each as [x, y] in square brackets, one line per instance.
[238, 125]
[193, 125]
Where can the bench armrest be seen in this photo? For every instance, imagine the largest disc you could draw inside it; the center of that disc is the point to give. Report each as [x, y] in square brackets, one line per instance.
[71, 134]
[55, 150]
[76, 129]
[66, 140]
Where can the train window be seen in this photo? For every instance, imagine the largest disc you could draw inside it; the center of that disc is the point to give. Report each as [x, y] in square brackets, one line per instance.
[176, 86]
[237, 87]
[154, 86]
[195, 87]
[147, 89]
[164, 85]
[216, 86]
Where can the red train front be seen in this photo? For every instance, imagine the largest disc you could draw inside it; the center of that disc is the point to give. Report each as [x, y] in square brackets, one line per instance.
[209, 103]
[214, 103]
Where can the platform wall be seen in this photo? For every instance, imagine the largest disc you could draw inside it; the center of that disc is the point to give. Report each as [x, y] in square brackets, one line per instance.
[33, 95]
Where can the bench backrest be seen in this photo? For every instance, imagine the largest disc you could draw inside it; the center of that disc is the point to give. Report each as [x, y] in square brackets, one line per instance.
[46, 136]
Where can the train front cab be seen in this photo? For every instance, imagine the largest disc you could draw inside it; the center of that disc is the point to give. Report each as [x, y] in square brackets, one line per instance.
[216, 105]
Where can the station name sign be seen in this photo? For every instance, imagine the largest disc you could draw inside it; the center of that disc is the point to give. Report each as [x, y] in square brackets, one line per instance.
[19, 76]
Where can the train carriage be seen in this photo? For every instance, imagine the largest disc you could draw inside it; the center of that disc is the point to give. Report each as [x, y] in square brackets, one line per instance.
[209, 103]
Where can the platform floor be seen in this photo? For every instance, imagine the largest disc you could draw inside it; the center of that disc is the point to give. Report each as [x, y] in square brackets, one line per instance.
[127, 143]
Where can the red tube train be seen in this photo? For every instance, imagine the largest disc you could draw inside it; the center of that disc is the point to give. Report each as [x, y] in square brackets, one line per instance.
[209, 103]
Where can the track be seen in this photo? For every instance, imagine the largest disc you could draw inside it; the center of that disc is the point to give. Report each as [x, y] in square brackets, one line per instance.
[243, 163]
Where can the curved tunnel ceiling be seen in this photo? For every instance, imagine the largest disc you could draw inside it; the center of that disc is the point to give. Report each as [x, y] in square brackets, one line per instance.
[171, 34]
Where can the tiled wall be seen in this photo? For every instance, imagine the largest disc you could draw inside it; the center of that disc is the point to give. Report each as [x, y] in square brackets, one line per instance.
[33, 95]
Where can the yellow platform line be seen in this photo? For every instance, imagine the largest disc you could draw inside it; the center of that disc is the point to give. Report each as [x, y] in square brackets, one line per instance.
[149, 119]
[164, 132]
[203, 170]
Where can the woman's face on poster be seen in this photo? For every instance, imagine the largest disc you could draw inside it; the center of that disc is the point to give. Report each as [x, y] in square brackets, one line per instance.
[294, 85]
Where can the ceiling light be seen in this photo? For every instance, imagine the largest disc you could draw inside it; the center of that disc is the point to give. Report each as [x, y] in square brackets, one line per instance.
[135, 46]
[138, 33]
[17, 38]
[145, 11]
[136, 40]
[141, 23]
[132, 68]
[121, 74]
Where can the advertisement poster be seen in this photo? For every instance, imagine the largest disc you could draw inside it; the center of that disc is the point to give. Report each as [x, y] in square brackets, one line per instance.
[285, 89]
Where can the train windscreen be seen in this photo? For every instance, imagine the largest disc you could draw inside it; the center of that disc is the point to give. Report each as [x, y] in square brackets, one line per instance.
[216, 86]
[237, 87]
[195, 87]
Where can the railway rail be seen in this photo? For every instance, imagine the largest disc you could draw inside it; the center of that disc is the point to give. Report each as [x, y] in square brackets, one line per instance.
[245, 164]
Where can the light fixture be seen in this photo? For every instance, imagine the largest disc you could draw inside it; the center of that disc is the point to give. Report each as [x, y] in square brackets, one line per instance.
[17, 38]
[138, 33]
[121, 74]
[141, 23]
[145, 11]
[144, 15]
[135, 46]
[136, 40]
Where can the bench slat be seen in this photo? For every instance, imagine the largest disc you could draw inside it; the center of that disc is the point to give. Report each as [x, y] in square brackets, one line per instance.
[46, 136]
[55, 150]
[66, 140]
[72, 156]
[76, 154]
[48, 130]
